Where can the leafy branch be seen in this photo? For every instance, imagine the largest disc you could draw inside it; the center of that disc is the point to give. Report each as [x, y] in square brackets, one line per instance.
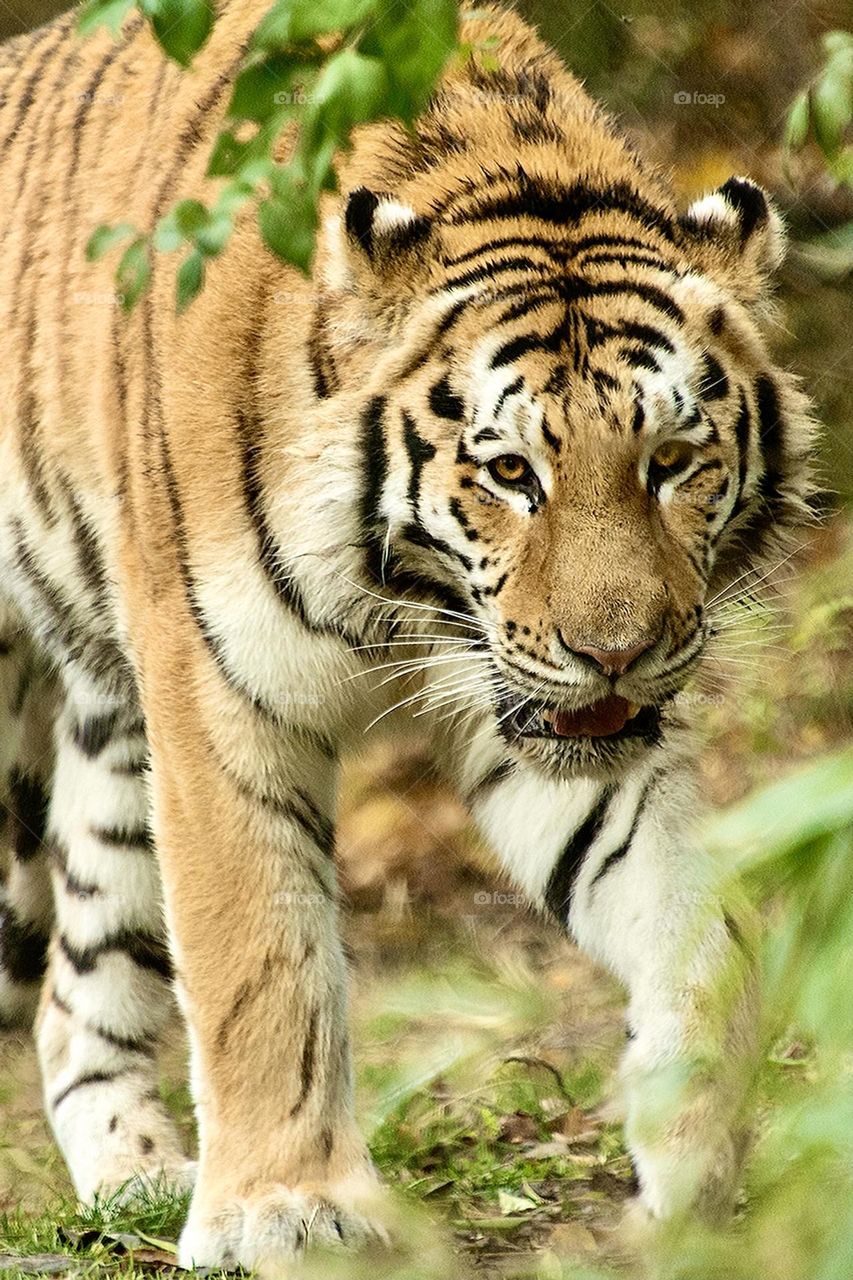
[317, 67]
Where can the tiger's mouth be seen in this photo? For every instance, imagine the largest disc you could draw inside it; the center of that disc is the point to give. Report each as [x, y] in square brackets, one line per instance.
[611, 717]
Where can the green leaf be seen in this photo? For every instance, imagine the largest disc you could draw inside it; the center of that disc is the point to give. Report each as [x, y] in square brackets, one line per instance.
[268, 86]
[190, 216]
[227, 155]
[812, 802]
[832, 107]
[181, 26]
[291, 22]
[190, 279]
[212, 238]
[134, 272]
[797, 124]
[288, 222]
[351, 89]
[103, 13]
[105, 238]
[415, 40]
[167, 238]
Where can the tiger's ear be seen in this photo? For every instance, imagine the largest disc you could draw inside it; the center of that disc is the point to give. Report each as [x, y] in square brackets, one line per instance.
[383, 229]
[737, 235]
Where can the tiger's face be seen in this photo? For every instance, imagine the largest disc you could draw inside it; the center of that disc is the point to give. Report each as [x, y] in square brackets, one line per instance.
[582, 435]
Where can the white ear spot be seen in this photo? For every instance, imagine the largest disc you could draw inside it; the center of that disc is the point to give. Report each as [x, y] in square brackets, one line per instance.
[382, 226]
[712, 210]
[390, 215]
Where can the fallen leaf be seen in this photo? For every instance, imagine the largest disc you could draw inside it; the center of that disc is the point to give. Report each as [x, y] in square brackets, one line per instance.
[510, 1203]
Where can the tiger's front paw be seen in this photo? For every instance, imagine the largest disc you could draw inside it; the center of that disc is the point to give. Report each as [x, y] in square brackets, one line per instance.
[266, 1229]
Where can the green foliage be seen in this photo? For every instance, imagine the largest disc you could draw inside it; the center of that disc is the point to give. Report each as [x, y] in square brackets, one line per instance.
[315, 70]
[825, 109]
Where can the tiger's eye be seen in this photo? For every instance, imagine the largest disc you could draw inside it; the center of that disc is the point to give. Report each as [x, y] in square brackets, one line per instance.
[510, 468]
[673, 455]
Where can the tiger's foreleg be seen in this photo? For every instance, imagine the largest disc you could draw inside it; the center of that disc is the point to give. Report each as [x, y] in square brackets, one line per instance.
[243, 820]
[616, 863]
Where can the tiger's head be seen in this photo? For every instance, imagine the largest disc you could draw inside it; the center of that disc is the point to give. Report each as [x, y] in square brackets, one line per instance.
[575, 434]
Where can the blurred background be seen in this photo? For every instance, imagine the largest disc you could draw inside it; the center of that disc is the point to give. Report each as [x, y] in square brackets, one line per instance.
[486, 1043]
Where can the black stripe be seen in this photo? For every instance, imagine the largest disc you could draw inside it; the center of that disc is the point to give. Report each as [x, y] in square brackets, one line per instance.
[558, 892]
[124, 837]
[743, 423]
[87, 550]
[213, 645]
[307, 1067]
[574, 290]
[770, 435]
[375, 474]
[527, 305]
[423, 353]
[551, 247]
[420, 537]
[624, 259]
[91, 1077]
[639, 358]
[599, 331]
[551, 438]
[99, 654]
[94, 733]
[144, 949]
[544, 201]
[27, 96]
[316, 825]
[420, 452]
[296, 807]
[322, 366]
[503, 769]
[143, 1044]
[444, 402]
[276, 571]
[619, 853]
[509, 390]
[32, 460]
[488, 271]
[23, 948]
[76, 887]
[713, 383]
[608, 240]
[28, 804]
[524, 343]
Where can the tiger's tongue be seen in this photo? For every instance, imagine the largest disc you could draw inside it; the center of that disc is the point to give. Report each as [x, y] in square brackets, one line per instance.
[598, 721]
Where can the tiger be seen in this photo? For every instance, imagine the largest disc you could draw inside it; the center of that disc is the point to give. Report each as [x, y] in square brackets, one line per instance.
[487, 469]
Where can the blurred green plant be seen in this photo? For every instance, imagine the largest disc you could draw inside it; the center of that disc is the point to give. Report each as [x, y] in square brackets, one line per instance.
[316, 68]
[824, 110]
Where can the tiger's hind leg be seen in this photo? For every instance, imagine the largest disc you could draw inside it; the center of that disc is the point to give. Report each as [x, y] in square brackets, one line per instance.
[107, 995]
[27, 710]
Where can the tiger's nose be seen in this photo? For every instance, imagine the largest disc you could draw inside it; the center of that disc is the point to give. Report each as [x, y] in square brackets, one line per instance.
[613, 662]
